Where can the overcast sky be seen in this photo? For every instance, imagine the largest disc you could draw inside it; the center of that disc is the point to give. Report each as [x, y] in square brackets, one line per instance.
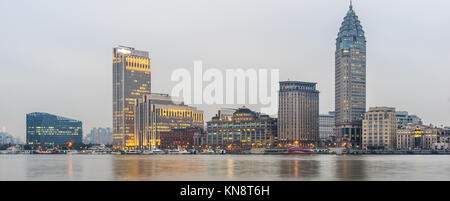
[56, 56]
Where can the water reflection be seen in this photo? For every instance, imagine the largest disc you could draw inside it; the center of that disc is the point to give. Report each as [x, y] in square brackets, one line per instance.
[299, 169]
[350, 168]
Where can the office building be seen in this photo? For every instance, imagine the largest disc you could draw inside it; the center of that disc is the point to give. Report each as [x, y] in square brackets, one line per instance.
[415, 137]
[298, 113]
[379, 129]
[350, 80]
[245, 129]
[99, 136]
[131, 80]
[180, 138]
[48, 130]
[159, 113]
[404, 118]
[326, 123]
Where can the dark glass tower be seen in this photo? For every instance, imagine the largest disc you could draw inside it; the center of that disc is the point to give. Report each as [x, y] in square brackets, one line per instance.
[48, 130]
[350, 80]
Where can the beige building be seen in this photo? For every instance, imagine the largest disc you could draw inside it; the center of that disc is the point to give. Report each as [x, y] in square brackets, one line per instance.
[379, 128]
[414, 136]
[298, 113]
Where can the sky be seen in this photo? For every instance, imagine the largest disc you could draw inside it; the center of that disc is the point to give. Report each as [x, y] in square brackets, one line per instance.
[56, 56]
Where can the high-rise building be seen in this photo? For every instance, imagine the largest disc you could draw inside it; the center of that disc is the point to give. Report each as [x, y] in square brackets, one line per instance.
[157, 113]
[48, 130]
[99, 136]
[350, 80]
[244, 129]
[298, 113]
[326, 123]
[131, 80]
[379, 128]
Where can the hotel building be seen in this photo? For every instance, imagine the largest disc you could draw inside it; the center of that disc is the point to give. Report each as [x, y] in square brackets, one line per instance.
[298, 113]
[131, 80]
[159, 113]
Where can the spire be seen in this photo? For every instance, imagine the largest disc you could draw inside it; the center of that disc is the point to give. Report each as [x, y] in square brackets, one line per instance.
[351, 5]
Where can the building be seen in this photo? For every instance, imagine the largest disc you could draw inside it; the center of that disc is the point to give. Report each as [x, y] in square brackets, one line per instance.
[131, 80]
[379, 129]
[99, 136]
[414, 136]
[298, 113]
[326, 123]
[443, 141]
[245, 129]
[350, 80]
[159, 113]
[48, 130]
[180, 138]
[404, 118]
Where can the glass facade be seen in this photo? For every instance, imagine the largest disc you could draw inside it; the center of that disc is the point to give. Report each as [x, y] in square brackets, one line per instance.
[131, 80]
[48, 130]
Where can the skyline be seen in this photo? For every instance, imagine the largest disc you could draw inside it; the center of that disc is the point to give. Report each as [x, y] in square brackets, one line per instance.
[287, 43]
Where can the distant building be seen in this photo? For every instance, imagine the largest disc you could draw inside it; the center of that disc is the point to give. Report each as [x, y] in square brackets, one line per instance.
[99, 136]
[414, 136]
[350, 80]
[48, 130]
[298, 113]
[180, 138]
[379, 128]
[326, 123]
[244, 129]
[159, 113]
[443, 141]
[131, 80]
[404, 118]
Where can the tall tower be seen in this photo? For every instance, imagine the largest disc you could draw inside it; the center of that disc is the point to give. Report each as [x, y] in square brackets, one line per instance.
[131, 80]
[350, 80]
[298, 113]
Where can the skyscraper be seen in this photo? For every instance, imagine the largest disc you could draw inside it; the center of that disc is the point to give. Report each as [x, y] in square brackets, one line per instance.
[350, 80]
[298, 113]
[131, 80]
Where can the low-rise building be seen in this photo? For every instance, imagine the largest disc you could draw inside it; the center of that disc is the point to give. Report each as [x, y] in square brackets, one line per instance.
[245, 129]
[414, 136]
[180, 138]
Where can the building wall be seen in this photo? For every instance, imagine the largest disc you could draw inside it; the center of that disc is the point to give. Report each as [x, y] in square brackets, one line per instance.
[47, 130]
[131, 80]
[298, 113]
[244, 129]
[415, 136]
[157, 113]
[379, 129]
[326, 123]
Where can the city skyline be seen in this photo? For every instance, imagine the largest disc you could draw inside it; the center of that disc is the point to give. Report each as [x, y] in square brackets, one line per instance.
[91, 98]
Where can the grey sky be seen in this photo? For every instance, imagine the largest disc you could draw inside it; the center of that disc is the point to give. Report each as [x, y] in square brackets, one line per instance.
[56, 55]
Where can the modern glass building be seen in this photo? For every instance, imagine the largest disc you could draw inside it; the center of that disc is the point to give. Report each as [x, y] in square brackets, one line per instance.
[350, 80]
[326, 123]
[131, 80]
[48, 130]
[298, 113]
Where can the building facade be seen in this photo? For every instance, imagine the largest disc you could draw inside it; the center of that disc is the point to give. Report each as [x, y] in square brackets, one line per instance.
[181, 138]
[350, 80]
[298, 113]
[99, 136]
[159, 113]
[414, 136]
[379, 129]
[245, 129]
[131, 80]
[48, 130]
[326, 123]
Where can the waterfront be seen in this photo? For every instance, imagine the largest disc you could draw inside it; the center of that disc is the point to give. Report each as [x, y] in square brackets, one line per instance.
[224, 167]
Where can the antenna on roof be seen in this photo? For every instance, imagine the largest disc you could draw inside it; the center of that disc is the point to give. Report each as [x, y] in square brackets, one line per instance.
[351, 5]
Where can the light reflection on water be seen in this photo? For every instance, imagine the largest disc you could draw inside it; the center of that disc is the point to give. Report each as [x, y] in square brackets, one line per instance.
[224, 167]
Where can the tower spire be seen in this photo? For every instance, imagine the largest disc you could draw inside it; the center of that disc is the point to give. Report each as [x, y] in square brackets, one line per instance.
[351, 5]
